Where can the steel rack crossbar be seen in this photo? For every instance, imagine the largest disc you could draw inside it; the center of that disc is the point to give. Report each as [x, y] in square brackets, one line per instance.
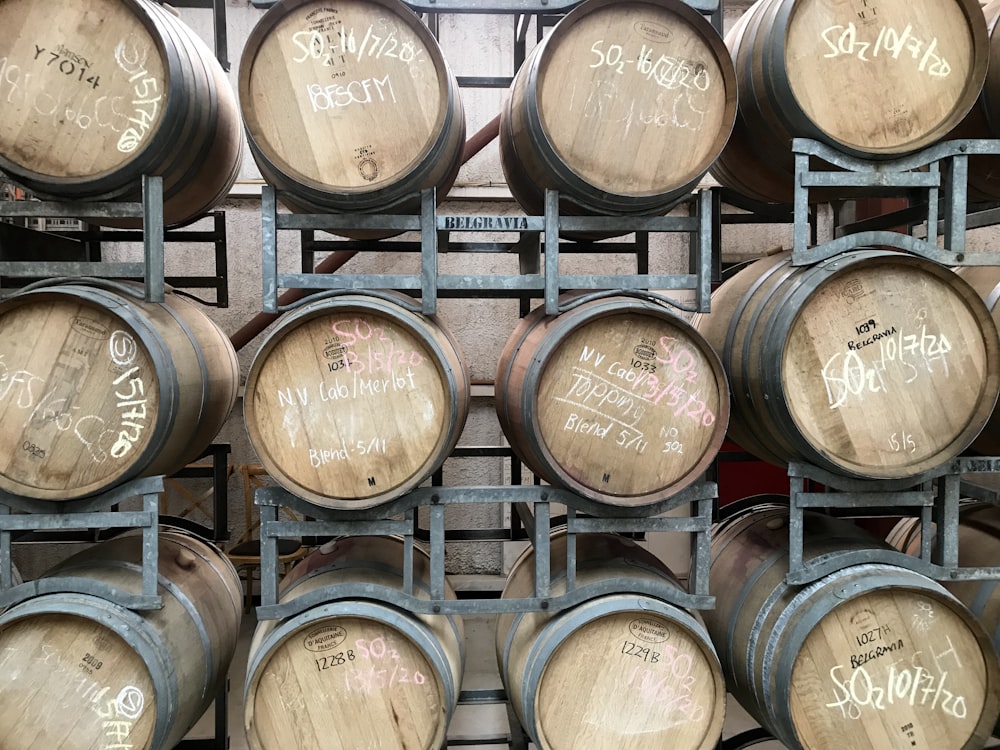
[398, 518]
[932, 496]
[150, 210]
[536, 278]
[941, 170]
[90, 512]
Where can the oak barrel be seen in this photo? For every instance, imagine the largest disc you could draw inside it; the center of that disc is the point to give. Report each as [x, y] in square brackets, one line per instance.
[351, 108]
[622, 670]
[983, 120]
[622, 108]
[873, 364]
[617, 398]
[871, 81]
[986, 281]
[978, 546]
[355, 399]
[872, 655]
[79, 671]
[99, 386]
[98, 93]
[353, 674]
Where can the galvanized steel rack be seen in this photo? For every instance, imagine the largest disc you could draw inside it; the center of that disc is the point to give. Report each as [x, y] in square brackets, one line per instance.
[153, 235]
[538, 278]
[940, 171]
[398, 517]
[94, 513]
[933, 496]
[149, 209]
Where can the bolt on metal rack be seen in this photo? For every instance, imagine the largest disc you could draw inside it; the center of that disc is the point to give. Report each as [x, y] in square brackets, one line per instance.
[941, 170]
[933, 496]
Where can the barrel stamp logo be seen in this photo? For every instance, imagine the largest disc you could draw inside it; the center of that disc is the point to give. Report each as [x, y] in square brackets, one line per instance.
[90, 328]
[320, 11]
[333, 350]
[644, 351]
[853, 290]
[649, 631]
[654, 32]
[324, 638]
[864, 618]
[367, 166]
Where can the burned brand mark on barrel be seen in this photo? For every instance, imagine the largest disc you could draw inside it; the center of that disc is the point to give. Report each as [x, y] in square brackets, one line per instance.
[853, 289]
[367, 166]
[324, 638]
[654, 32]
[650, 631]
[89, 328]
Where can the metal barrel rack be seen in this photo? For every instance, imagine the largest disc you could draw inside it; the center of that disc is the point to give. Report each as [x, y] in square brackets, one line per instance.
[19, 514]
[538, 248]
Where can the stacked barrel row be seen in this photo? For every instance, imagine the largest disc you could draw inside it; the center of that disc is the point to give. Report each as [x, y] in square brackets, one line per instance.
[621, 108]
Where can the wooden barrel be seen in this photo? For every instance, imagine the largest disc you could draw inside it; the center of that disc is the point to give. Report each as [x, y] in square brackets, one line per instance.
[80, 671]
[617, 398]
[355, 399]
[983, 120]
[353, 674]
[870, 81]
[624, 671]
[873, 364]
[978, 546]
[622, 108]
[98, 386]
[99, 93]
[986, 281]
[350, 109]
[872, 656]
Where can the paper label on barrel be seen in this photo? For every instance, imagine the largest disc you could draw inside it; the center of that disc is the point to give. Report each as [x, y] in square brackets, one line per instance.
[345, 93]
[642, 82]
[81, 96]
[631, 404]
[885, 366]
[349, 406]
[901, 668]
[81, 407]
